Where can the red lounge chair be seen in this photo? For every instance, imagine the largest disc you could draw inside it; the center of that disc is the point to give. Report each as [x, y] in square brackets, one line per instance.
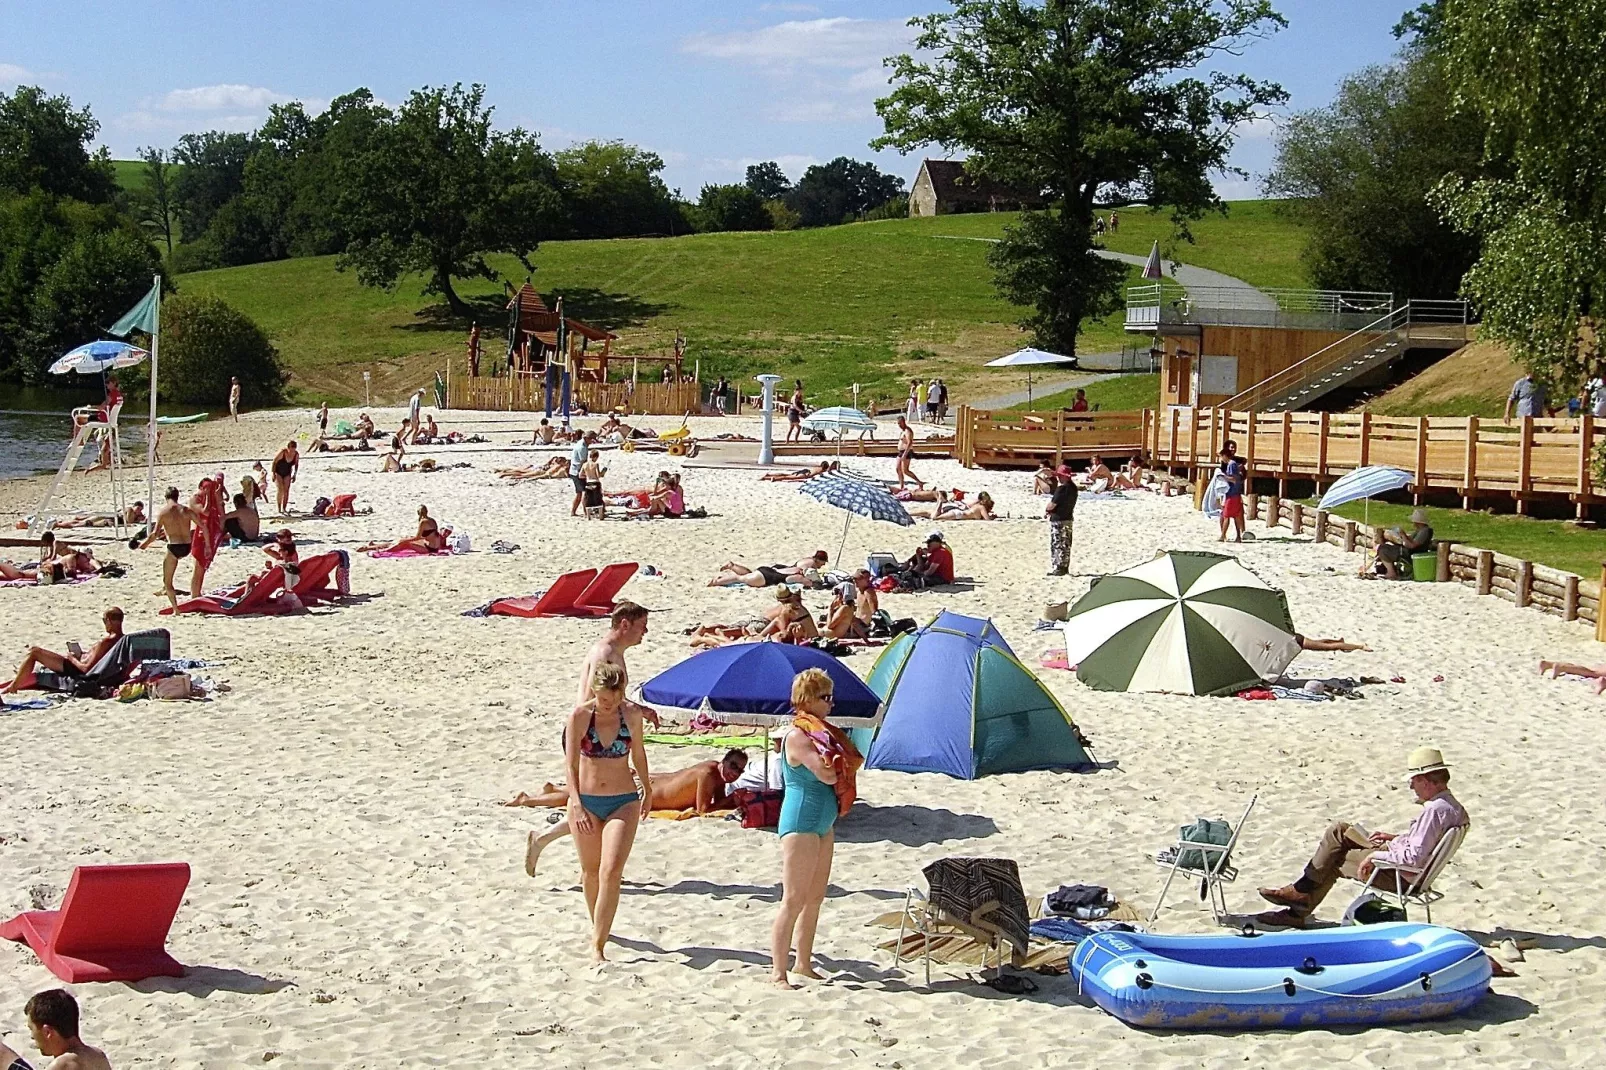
[556, 601]
[597, 599]
[317, 579]
[257, 599]
[112, 925]
[343, 505]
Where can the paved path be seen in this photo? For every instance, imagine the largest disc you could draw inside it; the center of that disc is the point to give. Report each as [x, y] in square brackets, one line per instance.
[1041, 388]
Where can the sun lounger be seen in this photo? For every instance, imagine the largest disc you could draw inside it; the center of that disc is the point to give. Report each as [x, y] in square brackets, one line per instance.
[556, 601]
[256, 598]
[112, 925]
[113, 667]
[598, 597]
[316, 583]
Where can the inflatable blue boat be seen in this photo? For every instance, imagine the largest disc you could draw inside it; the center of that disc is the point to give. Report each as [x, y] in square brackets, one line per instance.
[1400, 972]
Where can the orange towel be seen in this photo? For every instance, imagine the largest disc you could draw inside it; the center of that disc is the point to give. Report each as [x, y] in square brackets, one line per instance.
[835, 747]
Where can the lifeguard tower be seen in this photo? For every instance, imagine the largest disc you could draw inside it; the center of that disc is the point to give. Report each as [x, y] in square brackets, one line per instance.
[93, 425]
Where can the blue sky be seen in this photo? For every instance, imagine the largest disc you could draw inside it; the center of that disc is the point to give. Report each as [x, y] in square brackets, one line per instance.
[710, 85]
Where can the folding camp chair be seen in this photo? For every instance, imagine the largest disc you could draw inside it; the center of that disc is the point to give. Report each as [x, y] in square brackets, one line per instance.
[112, 925]
[113, 668]
[930, 922]
[1403, 885]
[598, 597]
[1214, 870]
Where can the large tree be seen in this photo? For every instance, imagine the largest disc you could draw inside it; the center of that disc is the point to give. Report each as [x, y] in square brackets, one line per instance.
[613, 190]
[153, 202]
[841, 191]
[435, 188]
[1094, 103]
[768, 180]
[1526, 70]
[211, 173]
[1358, 172]
[44, 144]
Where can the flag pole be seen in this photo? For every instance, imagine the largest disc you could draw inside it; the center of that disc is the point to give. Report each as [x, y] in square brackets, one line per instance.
[150, 429]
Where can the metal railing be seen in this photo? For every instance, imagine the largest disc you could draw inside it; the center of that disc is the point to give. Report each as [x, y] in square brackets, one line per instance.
[1151, 304]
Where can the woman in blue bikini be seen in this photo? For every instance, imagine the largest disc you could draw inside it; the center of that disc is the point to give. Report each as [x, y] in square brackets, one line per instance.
[807, 825]
[602, 743]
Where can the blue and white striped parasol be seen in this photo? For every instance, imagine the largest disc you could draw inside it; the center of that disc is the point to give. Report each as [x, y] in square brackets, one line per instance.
[857, 497]
[1365, 482]
[838, 418]
[98, 357]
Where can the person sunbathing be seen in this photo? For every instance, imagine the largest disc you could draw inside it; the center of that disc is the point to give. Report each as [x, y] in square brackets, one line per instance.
[1132, 476]
[1554, 669]
[10, 571]
[282, 552]
[980, 509]
[132, 516]
[365, 426]
[242, 523]
[69, 664]
[732, 573]
[799, 475]
[544, 435]
[1307, 643]
[841, 619]
[428, 540]
[1097, 478]
[793, 623]
[1043, 480]
[430, 432]
[555, 468]
[703, 788]
[927, 494]
[666, 499]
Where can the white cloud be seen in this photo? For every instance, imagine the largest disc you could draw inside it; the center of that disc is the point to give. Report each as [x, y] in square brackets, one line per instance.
[11, 73]
[791, 9]
[819, 70]
[222, 98]
[793, 164]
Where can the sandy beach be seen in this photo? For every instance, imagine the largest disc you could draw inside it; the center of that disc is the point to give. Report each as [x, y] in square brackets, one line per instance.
[358, 900]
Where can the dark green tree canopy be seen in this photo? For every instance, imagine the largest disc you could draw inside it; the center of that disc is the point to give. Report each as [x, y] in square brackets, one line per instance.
[211, 172]
[434, 187]
[613, 190]
[841, 191]
[205, 341]
[1359, 171]
[44, 144]
[734, 207]
[1096, 103]
[768, 181]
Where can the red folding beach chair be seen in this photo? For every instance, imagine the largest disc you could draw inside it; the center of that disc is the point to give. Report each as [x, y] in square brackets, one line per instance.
[597, 599]
[255, 599]
[556, 601]
[112, 925]
[316, 583]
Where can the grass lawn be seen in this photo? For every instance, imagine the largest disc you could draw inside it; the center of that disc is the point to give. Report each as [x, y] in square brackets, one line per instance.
[1121, 393]
[1549, 542]
[1255, 241]
[871, 303]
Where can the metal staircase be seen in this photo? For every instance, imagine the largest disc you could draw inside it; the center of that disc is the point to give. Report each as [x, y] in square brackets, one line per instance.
[1385, 339]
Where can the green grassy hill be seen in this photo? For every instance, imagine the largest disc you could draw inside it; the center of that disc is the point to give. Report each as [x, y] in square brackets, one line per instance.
[871, 303]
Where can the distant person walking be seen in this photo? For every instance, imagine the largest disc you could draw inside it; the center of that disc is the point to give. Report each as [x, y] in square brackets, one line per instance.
[721, 389]
[234, 398]
[323, 420]
[1529, 397]
[1061, 514]
[794, 413]
[1593, 395]
[415, 416]
[933, 396]
[1115, 222]
[577, 461]
[942, 402]
[1232, 499]
[906, 454]
[911, 408]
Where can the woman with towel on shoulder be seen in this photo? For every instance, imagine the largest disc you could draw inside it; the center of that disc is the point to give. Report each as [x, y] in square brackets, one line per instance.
[820, 767]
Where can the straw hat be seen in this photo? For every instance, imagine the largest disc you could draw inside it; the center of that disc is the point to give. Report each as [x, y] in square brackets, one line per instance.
[1419, 516]
[1425, 760]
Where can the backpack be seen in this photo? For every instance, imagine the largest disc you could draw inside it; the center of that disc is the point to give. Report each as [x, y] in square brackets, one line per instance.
[1203, 830]
[760, 809]
[321, 507]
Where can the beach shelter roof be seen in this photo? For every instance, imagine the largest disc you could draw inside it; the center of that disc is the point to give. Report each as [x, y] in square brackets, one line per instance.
[958, 701]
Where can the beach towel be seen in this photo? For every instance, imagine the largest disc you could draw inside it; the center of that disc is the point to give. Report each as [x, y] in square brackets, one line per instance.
[7, 703]
[836, 748]
[207, 534]
[962, 886]
[386, 554]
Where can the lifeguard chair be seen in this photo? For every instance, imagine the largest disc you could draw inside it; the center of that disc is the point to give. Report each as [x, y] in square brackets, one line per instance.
[95, 425]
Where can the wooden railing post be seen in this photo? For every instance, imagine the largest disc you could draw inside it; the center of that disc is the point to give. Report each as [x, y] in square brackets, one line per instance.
[1321, 525]
[1420, 489]
[1288, 441]
[1469, 465]
[1215, 433]
[1525, 451]
[1350, 538]
[1321, 449]
[1059, 438]
[1249, 444]
[1441, 571]
[1274, 506]
[1525, 584]
[1366, 439]
[1586, 475]
[1193, 438]
[1600, 613]
[1176, 415]
[1297, 521]
[1486, 571]
[1569, 597]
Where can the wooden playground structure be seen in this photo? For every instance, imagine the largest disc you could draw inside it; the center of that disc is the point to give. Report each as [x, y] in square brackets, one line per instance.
[548, 354]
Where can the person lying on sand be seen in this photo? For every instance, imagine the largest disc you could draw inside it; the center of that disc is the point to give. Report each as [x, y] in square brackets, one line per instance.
[734, 572]
[1307, 643]
[555, 468]
[928, 494]
[10, 571]
[799, 475]
[703, 788]
[428, 539]
[980, 509]
[1554, 669]
[133, 516]
[69, 664]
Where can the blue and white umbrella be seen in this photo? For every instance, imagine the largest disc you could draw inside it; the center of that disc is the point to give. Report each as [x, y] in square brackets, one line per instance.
[838, 418]
[98, 357]
[857, 497]
[1365, 482]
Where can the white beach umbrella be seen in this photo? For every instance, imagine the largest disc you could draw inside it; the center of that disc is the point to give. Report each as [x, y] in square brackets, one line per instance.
[1029, 358]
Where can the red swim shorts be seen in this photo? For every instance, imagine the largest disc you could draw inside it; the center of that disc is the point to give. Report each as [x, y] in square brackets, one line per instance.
[1232, 508]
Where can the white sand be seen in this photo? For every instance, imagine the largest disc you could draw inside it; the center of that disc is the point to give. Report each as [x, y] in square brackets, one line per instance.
[358, 900]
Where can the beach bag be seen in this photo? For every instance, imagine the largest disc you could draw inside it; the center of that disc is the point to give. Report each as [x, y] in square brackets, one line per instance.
[1370, 909]
[321, 507]
[458, 542]
[1203, 830]
[172, 688]
[760, 809]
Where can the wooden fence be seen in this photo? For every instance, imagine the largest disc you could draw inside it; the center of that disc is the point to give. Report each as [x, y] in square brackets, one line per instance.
[526, 393]
[1014, 438]
[1523, 583]
[1526, 459]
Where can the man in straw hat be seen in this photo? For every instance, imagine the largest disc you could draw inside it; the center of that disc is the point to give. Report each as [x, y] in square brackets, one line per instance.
[1397, 547]
[1350, 851]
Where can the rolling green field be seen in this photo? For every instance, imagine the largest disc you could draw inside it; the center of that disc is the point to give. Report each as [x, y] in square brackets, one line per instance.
[869, 303]
[1123, 393]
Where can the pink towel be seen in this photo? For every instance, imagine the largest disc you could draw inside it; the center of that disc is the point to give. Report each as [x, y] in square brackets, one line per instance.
[408, 553]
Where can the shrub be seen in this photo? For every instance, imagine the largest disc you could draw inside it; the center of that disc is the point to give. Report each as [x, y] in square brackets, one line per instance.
[781, 216]
[204, 342]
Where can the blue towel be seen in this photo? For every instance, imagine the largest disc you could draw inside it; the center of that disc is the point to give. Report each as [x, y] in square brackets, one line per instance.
[1060, 930]
[25, 703]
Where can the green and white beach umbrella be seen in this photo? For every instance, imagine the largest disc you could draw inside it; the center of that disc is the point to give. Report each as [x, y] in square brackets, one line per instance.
[1187, 622]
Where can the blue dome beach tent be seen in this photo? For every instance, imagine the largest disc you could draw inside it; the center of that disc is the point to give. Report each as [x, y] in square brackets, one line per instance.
[958, 701]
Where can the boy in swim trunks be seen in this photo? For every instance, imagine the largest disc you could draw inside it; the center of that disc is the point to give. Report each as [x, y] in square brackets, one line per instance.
[53, 1022]
[175, 523]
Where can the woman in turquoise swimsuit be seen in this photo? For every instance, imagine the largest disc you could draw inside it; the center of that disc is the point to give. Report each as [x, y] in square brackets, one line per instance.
[602, 743]
[806, 828]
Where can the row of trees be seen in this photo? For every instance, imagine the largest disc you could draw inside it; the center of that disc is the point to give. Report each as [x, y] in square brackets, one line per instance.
[73, 258]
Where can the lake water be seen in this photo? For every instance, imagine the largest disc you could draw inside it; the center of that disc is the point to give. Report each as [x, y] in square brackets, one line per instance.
[35, 428]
